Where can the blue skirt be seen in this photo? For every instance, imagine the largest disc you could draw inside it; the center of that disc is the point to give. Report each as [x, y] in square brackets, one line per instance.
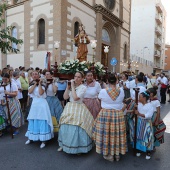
[56, 108]
[38, 130]
[74, 139]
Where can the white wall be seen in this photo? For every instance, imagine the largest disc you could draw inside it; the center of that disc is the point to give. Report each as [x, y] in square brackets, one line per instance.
[143, 28]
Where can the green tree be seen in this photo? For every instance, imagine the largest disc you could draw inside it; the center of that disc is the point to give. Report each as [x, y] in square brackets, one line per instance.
[6, 39]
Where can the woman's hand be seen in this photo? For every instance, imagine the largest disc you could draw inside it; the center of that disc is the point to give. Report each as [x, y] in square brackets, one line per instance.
[72, 83]
[136, 112]
[6, 92]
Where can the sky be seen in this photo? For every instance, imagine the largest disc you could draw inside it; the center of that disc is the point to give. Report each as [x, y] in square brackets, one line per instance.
[166, 4]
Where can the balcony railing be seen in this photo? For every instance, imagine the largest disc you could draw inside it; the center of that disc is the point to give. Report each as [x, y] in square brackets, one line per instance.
[159, 7]
[158, 19]
[158, 30]
[158, 42]
[157, 53]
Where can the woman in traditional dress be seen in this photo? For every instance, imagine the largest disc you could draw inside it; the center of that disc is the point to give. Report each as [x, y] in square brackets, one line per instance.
[76, 120]
[40, 127]
[109, 130]
[16, 80]
[53, 102]
[90, 98]
[14, 105]
[158, 125]
[145, 138]
[126, 85]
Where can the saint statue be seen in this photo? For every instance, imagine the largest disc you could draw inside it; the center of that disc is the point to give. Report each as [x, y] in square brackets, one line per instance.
[81, 40]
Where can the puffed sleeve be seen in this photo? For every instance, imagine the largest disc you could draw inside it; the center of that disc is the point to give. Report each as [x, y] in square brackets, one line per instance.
[98, 87]
[149, 112]
[14, 87]
[157, 103]
[80, 93]
[100, 96]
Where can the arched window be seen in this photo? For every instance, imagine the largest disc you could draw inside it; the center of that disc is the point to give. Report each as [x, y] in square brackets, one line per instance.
[105, 36]
[14, 34]
[76, 28]
[41, 31]
[125, 52]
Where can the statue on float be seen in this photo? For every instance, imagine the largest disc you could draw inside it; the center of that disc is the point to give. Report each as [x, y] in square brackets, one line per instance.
[81, 40]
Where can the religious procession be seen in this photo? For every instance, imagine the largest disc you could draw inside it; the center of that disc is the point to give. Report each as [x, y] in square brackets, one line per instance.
[90, 108]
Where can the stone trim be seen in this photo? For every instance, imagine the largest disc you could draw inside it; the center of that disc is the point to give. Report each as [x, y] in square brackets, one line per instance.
[37, 46]
[85, 3]
[107, 14]
[15, 5]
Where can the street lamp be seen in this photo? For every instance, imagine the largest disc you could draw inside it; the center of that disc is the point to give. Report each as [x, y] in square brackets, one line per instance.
[93, 46]
[106, 50]
[56, 46]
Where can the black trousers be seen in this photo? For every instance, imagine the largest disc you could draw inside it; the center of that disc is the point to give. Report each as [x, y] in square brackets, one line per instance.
[163, 95]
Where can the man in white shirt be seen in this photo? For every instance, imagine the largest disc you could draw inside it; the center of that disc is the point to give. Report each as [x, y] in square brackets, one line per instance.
[164, 83]
[158, 84]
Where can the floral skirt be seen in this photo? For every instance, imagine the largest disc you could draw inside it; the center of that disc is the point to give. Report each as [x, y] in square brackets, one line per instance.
[109, 132]
[2, 118]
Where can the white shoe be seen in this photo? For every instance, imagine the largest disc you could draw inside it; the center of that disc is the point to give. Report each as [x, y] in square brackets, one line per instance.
[60, 149]
[148, 157]
[27, 142]
[42, 145]
[109, 158]
[138, 154]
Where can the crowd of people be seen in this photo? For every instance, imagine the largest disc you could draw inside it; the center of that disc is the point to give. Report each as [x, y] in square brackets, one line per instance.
[85, 113]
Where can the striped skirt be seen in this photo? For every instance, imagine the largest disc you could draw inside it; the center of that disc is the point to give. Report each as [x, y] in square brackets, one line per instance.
[17, 118]
[145, 137]
[93, 105]
[158, 130]
[56, 110]
[109, 132]
[2, 118]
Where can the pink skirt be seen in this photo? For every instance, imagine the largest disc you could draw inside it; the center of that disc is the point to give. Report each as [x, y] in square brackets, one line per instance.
[93, 106]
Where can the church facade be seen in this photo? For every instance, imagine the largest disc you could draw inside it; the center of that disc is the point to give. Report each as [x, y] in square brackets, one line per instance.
[41, 23]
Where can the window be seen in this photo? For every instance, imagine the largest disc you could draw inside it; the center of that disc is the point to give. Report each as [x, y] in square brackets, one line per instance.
[14, 34]
[41, 31]
[76, 28]
[125, 52]
[105, 36]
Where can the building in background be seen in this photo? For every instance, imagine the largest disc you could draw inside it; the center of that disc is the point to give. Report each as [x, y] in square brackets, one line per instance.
[167, 60]
[42, 22]
[147, 42]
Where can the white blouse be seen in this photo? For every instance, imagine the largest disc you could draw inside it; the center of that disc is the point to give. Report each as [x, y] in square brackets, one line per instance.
[127, 84]
[141, 90]
[9, 89]
[108, 103]
[146, 109]
[50, 91]
[92, 92]
[80, 91]
[35, 93]
[155, 104]
[18, 83]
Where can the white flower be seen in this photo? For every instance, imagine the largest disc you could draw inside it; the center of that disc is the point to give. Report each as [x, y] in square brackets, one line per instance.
[77, 69]
[63, 68]
[85, 69]
[67, 64]
[104, 71]
[83, 62]
[71, 61]
[73, 65]
[76, 60]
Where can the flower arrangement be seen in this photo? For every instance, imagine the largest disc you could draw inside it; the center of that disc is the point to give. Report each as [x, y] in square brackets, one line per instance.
[72, 66]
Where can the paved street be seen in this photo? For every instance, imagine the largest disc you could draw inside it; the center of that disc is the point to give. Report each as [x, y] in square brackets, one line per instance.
[14, 154]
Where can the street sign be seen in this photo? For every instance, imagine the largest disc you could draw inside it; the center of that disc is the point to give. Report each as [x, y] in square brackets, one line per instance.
[113, 62]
